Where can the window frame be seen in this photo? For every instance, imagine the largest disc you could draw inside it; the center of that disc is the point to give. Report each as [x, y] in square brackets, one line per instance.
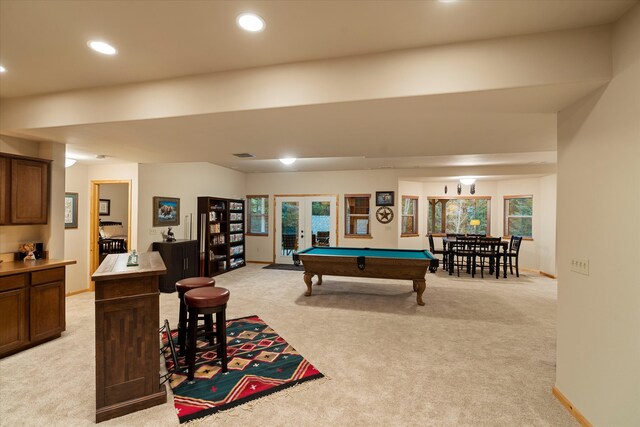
[415, 215]
[444, 216]
[263, 215]
[347, 216]
[506, 216]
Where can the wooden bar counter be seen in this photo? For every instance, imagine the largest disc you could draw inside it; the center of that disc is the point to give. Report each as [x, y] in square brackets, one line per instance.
[32, 308]
[127, 338]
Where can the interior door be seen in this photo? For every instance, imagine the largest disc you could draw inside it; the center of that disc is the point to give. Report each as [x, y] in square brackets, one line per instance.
[302, 222]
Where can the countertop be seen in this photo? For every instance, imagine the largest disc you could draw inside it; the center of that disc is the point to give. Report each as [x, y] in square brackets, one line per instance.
[114, 266]
[17, 267]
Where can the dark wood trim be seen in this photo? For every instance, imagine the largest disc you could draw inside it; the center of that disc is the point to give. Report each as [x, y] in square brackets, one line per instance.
[545, 274]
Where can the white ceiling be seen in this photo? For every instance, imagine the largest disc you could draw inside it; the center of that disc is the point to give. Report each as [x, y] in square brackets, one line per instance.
[43, 47]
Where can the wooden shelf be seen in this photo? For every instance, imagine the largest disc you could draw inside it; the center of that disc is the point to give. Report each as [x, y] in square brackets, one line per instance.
[222, 208]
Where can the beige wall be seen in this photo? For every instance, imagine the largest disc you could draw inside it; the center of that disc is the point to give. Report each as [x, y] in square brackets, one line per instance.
[76, 240]
[331, 183]
[598, 326]
[185, 181]
[388, 235]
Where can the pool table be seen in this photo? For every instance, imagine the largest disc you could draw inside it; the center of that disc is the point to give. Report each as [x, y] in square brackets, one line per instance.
[367, 262]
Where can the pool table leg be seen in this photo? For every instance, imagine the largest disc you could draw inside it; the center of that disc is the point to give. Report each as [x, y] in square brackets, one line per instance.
[308, 281]
[419, 285]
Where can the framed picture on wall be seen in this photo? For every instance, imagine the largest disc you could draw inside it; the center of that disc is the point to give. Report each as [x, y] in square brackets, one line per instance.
[384, 198]
[70, 210]
[104, 207]
[166, 211]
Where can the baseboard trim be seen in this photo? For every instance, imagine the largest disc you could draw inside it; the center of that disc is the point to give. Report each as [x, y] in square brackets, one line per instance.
[545, 274]
[81, 291]
[259, 262]
[572, 409]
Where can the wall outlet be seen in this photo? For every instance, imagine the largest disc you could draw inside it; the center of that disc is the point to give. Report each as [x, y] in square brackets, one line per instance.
[153, 231]
[580, 266]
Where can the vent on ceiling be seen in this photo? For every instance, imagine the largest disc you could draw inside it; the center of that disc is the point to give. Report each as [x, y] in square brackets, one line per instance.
[244, 155]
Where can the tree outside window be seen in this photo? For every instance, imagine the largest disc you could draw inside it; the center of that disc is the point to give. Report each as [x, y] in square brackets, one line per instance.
[409, 216]
[357, 218]
[453, 215]
[518, 216]
[258, 215]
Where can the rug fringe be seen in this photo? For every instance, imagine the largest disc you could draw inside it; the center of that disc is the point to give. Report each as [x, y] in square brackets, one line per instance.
[248, 406]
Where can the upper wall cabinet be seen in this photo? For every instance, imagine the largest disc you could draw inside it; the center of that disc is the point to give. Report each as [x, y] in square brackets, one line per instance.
[24, 190]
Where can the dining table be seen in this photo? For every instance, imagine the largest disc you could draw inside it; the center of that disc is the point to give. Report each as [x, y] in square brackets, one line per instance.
[448, 243]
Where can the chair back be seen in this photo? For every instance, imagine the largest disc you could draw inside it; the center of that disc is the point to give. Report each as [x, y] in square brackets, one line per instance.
[514, 244]
[465, 244]
[489, 245]
[431, 245]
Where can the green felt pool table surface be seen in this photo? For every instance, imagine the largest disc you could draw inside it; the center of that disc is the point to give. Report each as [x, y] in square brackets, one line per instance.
[370, 252]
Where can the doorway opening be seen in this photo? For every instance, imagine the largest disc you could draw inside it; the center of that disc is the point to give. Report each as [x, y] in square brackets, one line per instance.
[303, 221]
[110, 223]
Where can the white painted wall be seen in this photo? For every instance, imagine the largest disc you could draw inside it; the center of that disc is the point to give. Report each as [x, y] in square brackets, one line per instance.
[118, 194]
[185, 181]
[598, 325]
[76, 240]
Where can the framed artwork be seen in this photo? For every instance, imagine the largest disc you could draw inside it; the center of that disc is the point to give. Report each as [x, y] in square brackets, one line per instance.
[70, 210]
[166, 211]
[384, 198]
[104, 207]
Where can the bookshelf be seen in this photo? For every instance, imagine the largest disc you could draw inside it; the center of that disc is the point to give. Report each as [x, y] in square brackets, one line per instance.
[220, 234]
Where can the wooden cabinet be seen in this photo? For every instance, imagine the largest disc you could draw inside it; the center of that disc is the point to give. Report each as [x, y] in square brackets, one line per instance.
[32, 305]
[13, 313]
[46, 304]
[180, 258]
[127, 342]
[5, 189]
[221, 234]
[24, 190]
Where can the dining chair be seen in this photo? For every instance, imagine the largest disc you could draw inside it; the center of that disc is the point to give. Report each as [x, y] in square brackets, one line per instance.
[435, 251]
[463, 252]
[488, 251]
[513, 253]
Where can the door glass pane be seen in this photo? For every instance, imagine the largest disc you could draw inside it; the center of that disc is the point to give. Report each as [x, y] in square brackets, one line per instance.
[321, 222]
[290, 221]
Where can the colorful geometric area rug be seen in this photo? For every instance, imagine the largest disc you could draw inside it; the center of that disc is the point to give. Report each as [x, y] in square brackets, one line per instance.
[260, 362]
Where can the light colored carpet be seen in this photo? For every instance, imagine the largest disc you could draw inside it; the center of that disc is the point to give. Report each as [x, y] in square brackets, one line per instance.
[481, 353]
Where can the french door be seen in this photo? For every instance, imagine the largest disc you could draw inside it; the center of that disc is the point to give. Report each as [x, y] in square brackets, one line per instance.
[302, 222]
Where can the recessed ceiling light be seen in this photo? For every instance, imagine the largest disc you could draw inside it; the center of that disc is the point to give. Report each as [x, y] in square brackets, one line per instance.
[288, 160]
[467, 181]
[447, 1]
[2, 69]
[102, 47]
[69, 162]
[250, 22]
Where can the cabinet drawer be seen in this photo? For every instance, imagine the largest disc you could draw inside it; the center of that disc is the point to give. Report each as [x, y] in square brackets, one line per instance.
[14, 281]
[47, 276]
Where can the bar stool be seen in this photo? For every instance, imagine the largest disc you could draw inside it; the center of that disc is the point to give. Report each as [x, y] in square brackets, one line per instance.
[183, 286]
[207, 301]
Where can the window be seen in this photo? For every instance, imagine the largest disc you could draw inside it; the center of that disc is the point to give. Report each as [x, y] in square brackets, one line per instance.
[409, 216]
[518, 216]
[258, 217]
[454, 215]
[357, 215]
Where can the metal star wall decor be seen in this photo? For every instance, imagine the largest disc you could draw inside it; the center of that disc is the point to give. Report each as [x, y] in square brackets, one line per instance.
[384, 215]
